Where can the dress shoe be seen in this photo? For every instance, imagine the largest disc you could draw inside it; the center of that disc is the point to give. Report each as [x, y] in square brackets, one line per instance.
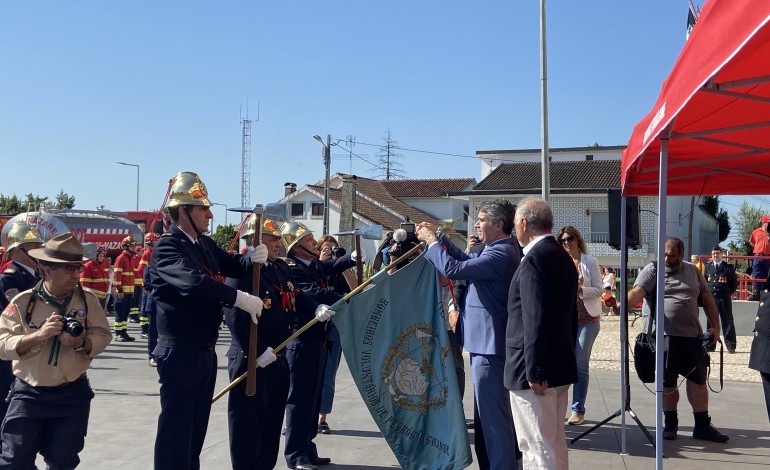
[153, 362]
[576, 419]
[323, 428]
[124, 338]
[304, 466]
[320, 460]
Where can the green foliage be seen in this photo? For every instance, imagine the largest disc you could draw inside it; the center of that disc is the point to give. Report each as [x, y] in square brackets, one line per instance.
[747, 219]
[223, 236]
[711, 204]
[13, 205]
[64, 201]
[739, 248]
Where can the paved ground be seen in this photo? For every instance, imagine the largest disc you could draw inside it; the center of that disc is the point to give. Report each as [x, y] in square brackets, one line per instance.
[124, 416]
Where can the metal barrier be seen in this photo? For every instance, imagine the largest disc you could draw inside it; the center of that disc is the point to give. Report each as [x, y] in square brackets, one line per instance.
[745, 282]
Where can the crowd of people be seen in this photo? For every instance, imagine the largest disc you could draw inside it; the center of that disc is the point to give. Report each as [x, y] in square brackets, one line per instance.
[526, 305]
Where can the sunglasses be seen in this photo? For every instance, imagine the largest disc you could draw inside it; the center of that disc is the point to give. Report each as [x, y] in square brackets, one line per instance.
[566, 240]
[71, 269]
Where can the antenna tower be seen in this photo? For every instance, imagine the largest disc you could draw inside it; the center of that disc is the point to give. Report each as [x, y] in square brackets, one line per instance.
[246, 157]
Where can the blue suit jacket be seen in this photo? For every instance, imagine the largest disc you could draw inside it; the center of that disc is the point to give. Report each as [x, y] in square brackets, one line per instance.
[543, 319]
[489, 275]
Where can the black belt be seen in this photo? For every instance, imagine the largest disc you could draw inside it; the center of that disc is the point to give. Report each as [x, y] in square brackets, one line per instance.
[51, 387]
[186, 343]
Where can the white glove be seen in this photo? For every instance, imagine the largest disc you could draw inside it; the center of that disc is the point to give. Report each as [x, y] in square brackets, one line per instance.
[249, 303]
[258, 254]
[323, 312]
[354, 255]
[266, 358]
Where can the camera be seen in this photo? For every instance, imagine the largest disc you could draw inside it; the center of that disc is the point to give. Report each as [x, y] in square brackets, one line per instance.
[708, 343]
[72, 325]
[404, 238]
[338, 252]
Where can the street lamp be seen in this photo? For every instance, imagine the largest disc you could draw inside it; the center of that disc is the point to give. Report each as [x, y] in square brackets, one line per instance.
[212, 219]
[137, 181]
[327, 156]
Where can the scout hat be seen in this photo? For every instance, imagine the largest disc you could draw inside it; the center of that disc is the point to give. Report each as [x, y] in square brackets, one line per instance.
[64, 248]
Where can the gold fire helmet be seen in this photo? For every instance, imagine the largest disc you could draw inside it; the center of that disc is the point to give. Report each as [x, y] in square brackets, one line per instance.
[21, 233]
[291, 233]
[187, 189]
[268, 227]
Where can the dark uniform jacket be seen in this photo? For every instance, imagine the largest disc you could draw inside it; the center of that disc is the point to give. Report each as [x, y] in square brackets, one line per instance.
[281, 300]
[759, 359]
[311, 279]
[15, 279]
[188, 295]
[721, 279]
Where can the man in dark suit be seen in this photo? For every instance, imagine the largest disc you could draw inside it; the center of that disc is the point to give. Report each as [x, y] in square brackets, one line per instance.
[759, 359]
[484, 317]
[722, 282]
[540, 338]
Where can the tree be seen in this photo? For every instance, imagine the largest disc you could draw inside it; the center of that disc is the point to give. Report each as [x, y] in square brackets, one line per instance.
[711, 205]
[12, 205]
[64, 201]
[747, 219]
[224, 236]
[387, 166]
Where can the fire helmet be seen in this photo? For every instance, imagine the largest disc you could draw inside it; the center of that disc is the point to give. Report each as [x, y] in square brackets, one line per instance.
[187, 189]
[21, 233]
[151, 237]
[291, 233]
[269, 227]
[100, 248]
[128, 241]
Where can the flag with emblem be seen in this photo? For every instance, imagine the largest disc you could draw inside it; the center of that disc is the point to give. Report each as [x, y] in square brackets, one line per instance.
[397, 349]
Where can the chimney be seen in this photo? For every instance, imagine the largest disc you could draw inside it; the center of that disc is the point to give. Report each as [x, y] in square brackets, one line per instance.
[289, 188]
[348, 207]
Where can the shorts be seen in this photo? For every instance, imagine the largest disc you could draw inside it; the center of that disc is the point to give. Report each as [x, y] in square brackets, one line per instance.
[685, 357]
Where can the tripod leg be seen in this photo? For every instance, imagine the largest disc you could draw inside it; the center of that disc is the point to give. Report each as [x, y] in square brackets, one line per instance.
[641, 426]
[596, 426]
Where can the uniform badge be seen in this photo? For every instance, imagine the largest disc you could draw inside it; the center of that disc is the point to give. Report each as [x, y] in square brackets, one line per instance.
[10, 310]
[80, 313]
[290, 286]
[267, 302]
[11, 293]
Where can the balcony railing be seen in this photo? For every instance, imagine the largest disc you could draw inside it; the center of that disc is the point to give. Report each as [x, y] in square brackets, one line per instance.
[599, 237]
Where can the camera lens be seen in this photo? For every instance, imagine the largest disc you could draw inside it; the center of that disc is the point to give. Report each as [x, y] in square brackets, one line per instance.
[338, 251]
[73, 327]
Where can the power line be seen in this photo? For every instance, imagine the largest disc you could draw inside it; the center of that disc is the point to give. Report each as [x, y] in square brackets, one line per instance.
[419, 151]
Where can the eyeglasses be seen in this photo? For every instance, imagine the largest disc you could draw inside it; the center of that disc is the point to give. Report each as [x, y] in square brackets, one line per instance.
[71, 268]
[566, 240]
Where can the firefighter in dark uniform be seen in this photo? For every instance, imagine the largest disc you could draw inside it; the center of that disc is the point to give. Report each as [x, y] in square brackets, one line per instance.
[186, 273]
[51, 332]
[759, 359]
[722, 282]
[307, 354]
[19, 276]
[255, 422]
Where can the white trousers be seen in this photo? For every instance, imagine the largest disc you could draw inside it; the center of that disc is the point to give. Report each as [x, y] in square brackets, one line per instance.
[539, 422]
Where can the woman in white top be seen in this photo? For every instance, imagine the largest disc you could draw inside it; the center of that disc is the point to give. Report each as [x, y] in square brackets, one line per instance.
[589, 313]
[609, 278]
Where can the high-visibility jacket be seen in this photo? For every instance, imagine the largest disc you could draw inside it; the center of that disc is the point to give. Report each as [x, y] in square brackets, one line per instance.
[137, 273]
[96, 277]
[124, 273]
[144, 261]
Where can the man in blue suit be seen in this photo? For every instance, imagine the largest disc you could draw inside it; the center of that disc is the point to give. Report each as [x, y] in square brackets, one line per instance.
[484, 319]
[540, 341]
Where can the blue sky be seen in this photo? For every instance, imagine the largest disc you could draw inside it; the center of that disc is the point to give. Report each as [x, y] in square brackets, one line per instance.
[84, 84]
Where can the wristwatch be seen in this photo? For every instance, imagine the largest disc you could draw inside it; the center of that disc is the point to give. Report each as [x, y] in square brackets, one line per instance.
[82, 347]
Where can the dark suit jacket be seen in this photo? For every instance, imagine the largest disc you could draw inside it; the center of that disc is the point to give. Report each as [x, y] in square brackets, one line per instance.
[542, 319]
[759, 359]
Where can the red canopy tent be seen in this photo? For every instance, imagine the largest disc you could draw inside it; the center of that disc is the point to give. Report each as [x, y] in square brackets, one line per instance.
[709, 131]
[714, 110]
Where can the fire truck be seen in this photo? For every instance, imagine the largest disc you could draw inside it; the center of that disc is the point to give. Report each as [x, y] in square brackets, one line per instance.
[90, 227]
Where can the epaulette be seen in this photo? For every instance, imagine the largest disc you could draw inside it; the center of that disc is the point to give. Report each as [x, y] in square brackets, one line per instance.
[9, 271]
[291, 262]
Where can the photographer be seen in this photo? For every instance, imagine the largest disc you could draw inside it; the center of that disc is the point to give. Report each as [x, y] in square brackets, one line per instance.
[51, 332]
[760, 243]
[685, 354]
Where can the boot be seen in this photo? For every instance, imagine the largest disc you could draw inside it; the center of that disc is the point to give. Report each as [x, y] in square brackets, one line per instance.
[122, 337]
[706, 431]
[670, 425]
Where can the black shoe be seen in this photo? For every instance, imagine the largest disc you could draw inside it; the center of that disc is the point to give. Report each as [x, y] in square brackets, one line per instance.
[124, 338]
[669, 433]
[324, 428]
[145, 335]
[469, 424]
[304, 466]
[320, 461]
[709, 433]
[133, 319]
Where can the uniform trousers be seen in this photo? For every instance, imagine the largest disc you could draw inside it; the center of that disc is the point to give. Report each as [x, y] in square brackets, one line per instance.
[6, 382]
[122, 308]
[49, 420]
[766, 387]
[187, 380]
[255, 422]
[726, 322]
[539, 421]
[307, 360]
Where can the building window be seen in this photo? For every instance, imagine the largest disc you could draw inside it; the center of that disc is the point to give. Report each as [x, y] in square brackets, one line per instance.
[297, 209]
[600, 227]
[317, 209]
[465, 212]
[589, 158]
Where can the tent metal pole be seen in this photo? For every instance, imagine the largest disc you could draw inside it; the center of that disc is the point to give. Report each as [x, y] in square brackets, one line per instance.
[624, 322]
[659, 301]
